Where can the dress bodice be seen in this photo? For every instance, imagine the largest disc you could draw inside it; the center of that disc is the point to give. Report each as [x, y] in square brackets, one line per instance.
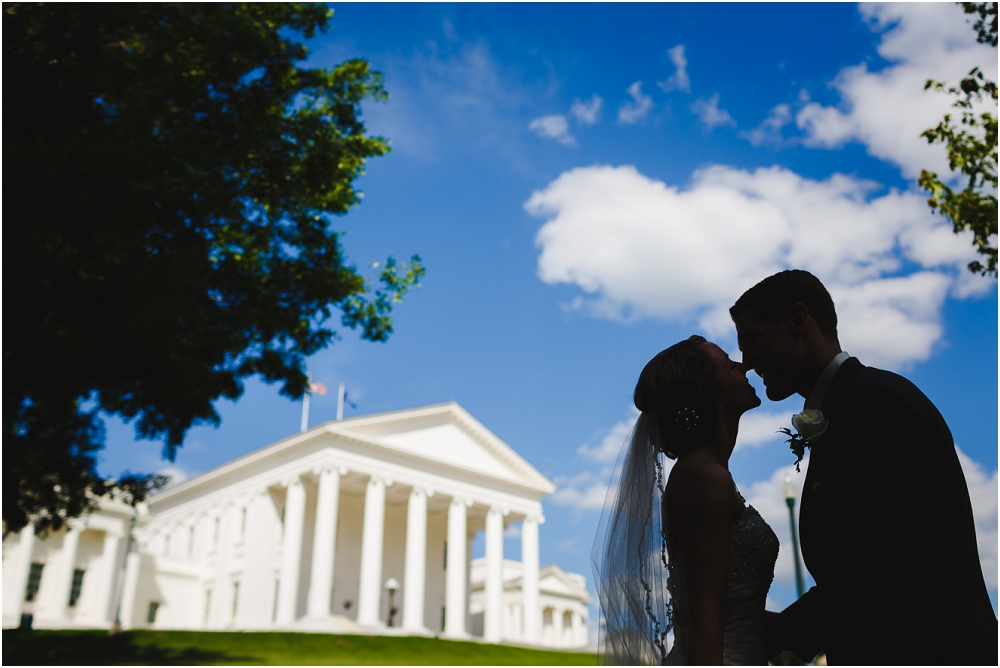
[753, 550]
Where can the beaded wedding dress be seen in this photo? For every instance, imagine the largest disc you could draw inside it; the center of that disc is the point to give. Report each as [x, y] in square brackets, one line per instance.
[753, 550]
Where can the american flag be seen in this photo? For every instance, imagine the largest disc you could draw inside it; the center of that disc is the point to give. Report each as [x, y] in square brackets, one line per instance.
[317, 388]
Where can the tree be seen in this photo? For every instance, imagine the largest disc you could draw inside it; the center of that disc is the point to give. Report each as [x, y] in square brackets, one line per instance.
[171, 176]
[972, 150]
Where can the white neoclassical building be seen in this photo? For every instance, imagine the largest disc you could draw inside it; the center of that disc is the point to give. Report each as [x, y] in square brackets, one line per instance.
[359, 525]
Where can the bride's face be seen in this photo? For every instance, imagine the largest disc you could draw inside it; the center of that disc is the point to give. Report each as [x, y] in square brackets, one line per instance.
[738, 394]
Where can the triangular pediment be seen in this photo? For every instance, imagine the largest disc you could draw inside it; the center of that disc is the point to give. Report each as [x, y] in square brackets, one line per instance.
[442, 437]
[446, 433]
[553, 580]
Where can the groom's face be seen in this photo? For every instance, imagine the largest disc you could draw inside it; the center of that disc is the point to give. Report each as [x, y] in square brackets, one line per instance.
[770, 348]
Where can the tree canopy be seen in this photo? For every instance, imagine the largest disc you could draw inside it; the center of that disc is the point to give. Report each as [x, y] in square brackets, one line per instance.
[972, 151]
[171, 177]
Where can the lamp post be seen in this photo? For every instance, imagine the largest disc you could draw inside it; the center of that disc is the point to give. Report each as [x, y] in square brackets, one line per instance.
[789, 491]
[391, 585]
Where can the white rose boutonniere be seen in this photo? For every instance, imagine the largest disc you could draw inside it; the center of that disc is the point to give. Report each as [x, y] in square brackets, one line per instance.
[809, 425]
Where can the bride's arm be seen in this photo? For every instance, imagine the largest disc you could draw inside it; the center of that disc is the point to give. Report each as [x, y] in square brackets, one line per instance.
[703, 539]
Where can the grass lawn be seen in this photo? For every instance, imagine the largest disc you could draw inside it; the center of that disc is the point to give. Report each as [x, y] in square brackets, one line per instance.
[229, 648]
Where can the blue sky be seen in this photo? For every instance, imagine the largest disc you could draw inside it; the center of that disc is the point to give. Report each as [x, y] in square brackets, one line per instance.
[590, 183]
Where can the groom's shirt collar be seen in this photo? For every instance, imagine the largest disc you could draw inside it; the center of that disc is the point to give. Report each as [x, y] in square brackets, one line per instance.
[815, 399]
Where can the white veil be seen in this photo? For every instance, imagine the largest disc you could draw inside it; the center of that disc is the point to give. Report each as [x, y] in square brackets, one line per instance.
[630, 555]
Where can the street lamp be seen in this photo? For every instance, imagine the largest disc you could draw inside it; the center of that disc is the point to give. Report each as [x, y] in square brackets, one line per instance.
[789, 491]
[391, 585]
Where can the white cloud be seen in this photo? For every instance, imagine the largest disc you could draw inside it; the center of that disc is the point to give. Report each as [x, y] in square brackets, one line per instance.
[758, 427]
[584, 491]
[554, 127]
[512, 531]
[638, 247]
[633, 112]
[769, 131]
[611, 444]
[983, 493]
[888, 109]
[679, 79]
[708, 112]
[586, 113]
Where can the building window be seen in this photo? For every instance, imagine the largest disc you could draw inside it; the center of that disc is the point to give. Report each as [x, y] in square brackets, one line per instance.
[151, 614]
[236, 598]
[34, 581]
[208, 604]
[76, 587]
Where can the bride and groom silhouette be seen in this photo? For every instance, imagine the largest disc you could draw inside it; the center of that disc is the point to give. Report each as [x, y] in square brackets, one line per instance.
[896, 565]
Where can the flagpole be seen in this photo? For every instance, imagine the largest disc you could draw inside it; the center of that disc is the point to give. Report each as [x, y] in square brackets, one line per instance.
[340, 402]
[305, 411]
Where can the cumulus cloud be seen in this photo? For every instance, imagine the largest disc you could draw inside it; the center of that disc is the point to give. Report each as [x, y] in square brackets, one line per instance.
[708, 112]
[584, 491]
[679, 79]
[769, 131]
[586, 113]
[888, 109]
[983, 493]
[634, 111]
[638, 248]
[758, 427]
[553, 127]
[606, 452]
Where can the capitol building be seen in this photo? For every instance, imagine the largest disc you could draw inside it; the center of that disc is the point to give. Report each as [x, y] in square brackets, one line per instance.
[362, 525]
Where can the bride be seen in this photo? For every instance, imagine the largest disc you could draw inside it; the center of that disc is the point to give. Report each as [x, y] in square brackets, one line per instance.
[687, 554]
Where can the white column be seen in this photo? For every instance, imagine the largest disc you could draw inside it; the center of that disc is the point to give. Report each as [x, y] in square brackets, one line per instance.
[291, 554]
[493, 614]
[132, 564]
[109, 571]
[454, 616]
[576, 625]
[324, 543]
[416, 561]
[529, 563]
[372, 534]
[64, 574]
[14, 597]
[557, 626]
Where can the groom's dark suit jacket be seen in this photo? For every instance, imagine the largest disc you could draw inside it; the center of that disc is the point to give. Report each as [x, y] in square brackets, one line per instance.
[887, 532]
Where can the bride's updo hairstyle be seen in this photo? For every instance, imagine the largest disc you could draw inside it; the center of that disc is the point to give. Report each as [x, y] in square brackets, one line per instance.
[680, 390]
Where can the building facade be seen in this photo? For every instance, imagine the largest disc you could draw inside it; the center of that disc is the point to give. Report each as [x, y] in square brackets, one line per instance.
[358, 525]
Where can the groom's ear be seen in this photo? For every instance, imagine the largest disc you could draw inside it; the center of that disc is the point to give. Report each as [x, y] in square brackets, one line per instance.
[797, 317]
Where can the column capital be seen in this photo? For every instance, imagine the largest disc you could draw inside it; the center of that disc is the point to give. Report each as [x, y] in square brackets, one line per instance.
[291, 480]
[329, 467]
[461, 500]
[377, 478]
[426, 492]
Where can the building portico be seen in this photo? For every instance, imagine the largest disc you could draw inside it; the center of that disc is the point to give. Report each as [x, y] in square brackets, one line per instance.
[305, 533]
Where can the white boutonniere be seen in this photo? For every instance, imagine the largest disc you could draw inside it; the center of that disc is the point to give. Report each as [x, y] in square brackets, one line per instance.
[809, 425]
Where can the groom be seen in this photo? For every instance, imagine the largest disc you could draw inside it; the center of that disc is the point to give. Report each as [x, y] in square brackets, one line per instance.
[885, 520]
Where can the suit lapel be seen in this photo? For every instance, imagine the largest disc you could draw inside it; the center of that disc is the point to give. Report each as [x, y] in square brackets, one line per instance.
[812, 514]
